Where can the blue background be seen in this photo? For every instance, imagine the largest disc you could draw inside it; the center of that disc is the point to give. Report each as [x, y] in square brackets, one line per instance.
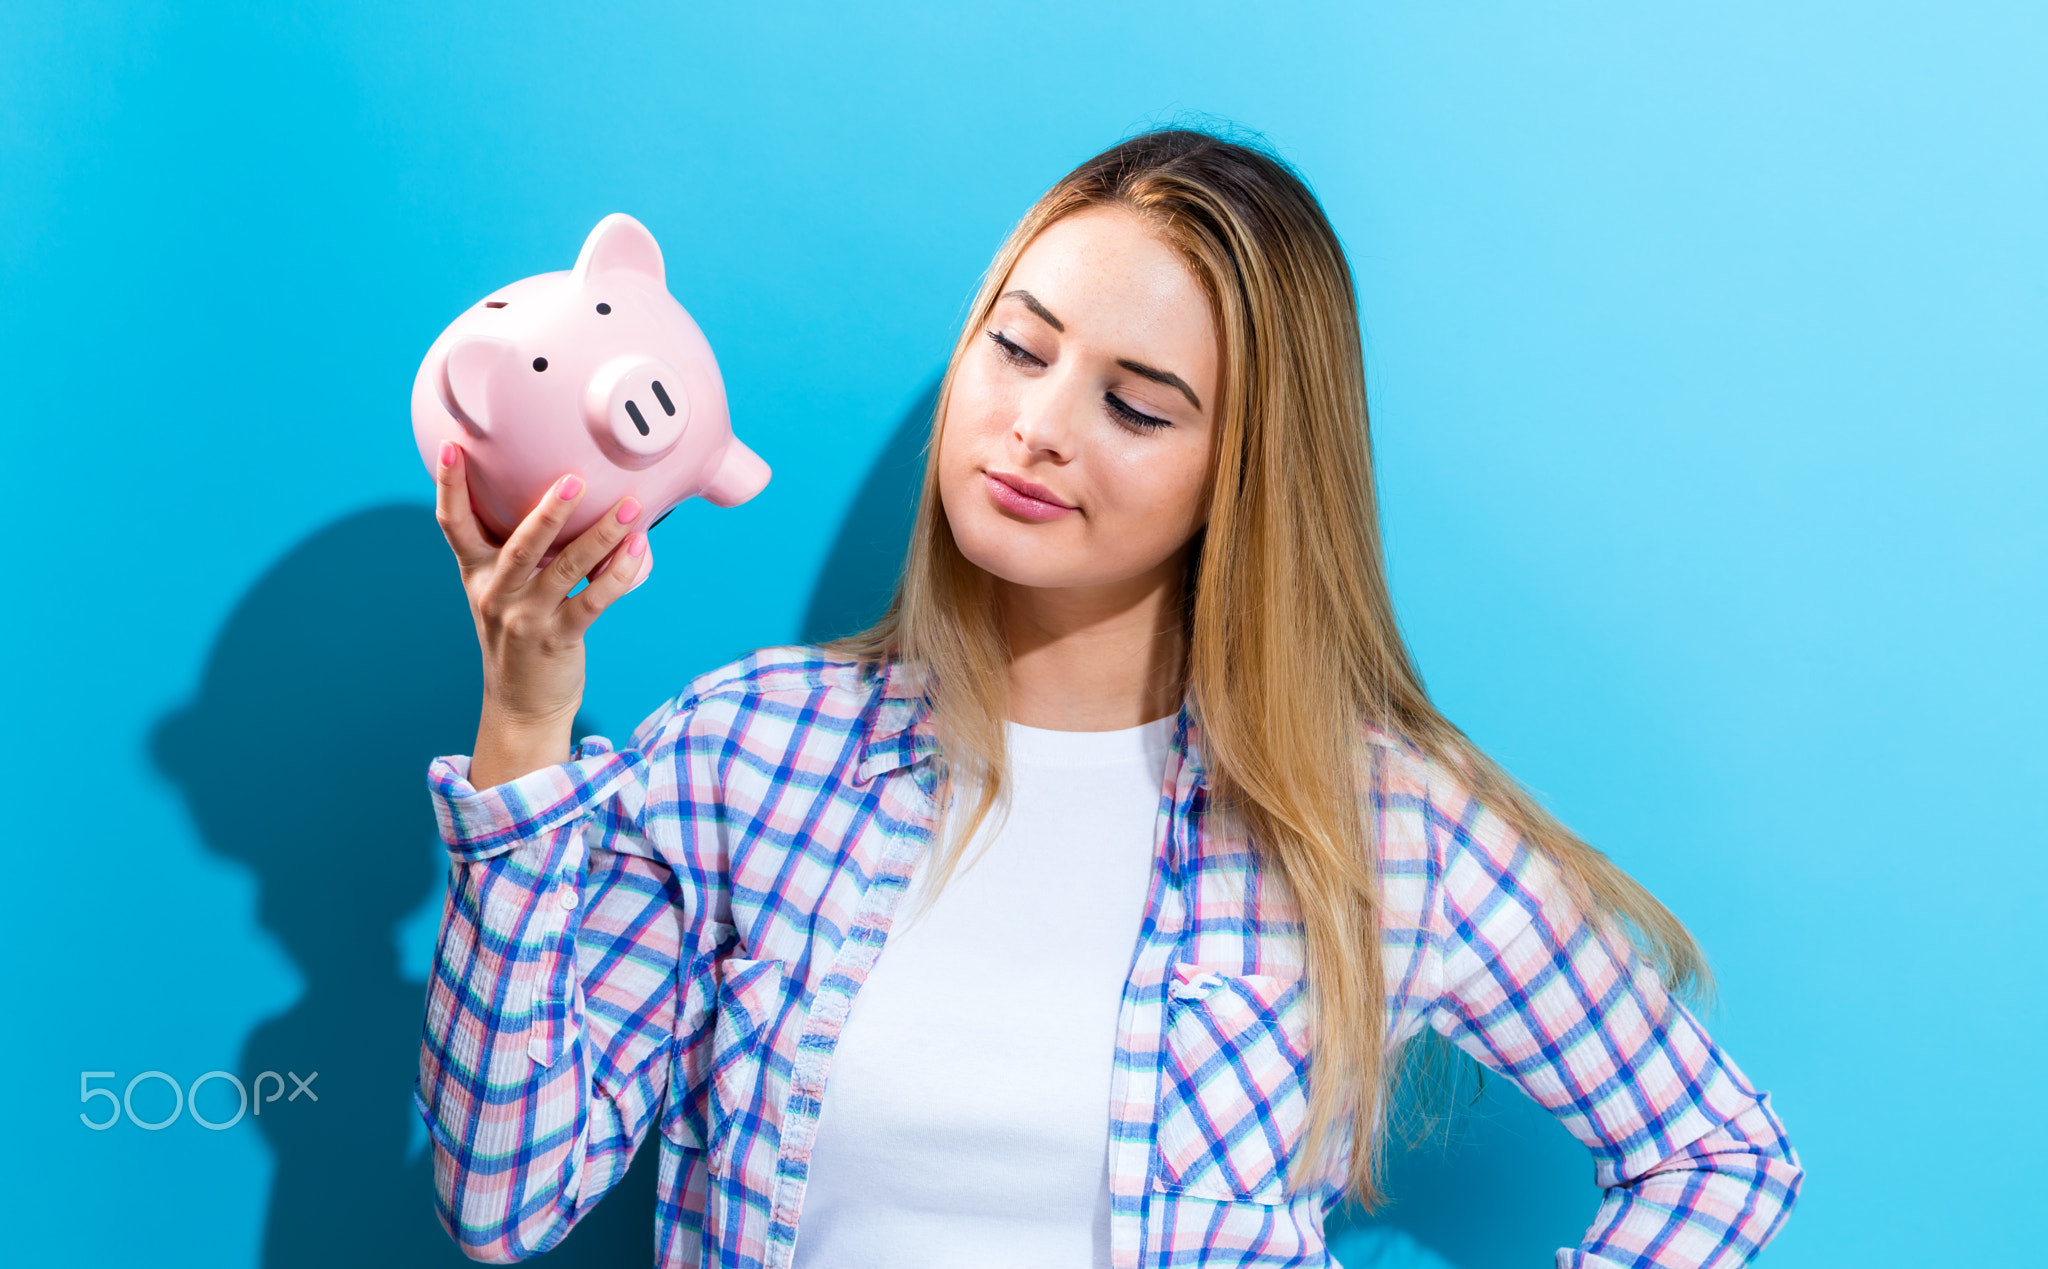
[1706, 352]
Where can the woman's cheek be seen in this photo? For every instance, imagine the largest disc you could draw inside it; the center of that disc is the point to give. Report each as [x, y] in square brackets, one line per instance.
[957, 448]
[1150, 489]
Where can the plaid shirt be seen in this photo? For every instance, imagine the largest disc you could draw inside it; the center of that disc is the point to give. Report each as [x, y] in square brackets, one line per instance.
[670, 937]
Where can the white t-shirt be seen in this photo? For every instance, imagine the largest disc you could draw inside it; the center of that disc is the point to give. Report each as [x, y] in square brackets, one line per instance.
[966, 1116]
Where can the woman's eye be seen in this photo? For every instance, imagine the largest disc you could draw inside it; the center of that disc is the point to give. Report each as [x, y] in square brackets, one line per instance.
[1134, 418]
[1011, 352]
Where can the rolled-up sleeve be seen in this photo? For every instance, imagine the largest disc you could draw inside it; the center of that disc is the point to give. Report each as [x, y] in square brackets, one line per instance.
[553, 1004]
[1696, 1167]
[477, 824]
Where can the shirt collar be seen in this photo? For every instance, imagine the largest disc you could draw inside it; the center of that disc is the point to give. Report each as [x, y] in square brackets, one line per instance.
[898, 728]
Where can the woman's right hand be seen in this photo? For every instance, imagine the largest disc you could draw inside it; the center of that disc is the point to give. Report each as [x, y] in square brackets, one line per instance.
[529, 626]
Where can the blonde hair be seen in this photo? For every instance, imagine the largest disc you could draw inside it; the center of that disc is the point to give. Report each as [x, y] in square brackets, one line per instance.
[1292, 644]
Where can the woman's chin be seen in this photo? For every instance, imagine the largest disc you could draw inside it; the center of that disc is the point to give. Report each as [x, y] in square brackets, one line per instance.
[1041, 564]
[1028, 569]
[1024, 555]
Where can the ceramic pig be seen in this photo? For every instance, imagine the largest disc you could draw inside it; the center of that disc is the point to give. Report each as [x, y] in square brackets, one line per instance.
[597, 372]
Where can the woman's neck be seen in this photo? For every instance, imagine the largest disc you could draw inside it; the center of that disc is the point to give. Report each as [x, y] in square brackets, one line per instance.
[1097, 658]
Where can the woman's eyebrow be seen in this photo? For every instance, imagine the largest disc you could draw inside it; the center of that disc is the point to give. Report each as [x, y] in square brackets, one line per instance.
[1031, 302]
[1166, 377]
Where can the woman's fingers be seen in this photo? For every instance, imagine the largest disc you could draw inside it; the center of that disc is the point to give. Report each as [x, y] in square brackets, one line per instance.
[589, 549]
[618, 576]
[530, 541]
[514, 597]
[452, 510]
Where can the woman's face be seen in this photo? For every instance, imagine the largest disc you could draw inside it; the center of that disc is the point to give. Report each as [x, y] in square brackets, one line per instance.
[1075, 451]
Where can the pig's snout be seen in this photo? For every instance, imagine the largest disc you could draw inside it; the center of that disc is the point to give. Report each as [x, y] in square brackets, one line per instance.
[637, 409]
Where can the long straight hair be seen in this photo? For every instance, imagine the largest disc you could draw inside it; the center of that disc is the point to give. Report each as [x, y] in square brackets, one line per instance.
[1292, 645]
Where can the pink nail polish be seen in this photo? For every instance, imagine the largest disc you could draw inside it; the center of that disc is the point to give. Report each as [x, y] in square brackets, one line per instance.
[629, 511]
[637, 545]
[570, 487]
[447, 453]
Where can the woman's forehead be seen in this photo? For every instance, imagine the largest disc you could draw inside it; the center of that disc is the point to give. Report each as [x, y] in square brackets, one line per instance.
[1104, 275]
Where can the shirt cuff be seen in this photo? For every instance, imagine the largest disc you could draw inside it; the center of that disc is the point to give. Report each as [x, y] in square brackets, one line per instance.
[480, 823]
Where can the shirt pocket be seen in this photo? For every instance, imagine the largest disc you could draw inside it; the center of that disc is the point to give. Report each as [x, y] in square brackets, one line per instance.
[1234, 1084]
[750, 997]
[682, 1119]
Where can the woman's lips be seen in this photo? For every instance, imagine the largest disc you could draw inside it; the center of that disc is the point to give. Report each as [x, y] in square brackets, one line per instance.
[1023, 499]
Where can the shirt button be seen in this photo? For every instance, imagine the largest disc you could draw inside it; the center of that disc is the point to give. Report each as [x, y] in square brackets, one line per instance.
[567, 897]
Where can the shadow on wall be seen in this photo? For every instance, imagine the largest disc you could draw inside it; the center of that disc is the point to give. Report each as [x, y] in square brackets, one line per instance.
[348, 666]
[342, 671]
[859, 575]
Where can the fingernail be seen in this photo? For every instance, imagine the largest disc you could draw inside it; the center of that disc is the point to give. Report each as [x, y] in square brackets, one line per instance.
[629, 511]
[569, 488]
[447, 453]
[635, 546]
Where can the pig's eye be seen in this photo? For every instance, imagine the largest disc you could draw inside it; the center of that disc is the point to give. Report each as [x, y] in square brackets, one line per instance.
[603, 309]
[540, 363]
[494, 303]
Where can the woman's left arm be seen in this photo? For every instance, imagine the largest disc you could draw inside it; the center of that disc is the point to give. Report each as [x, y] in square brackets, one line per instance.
[1697, 1170]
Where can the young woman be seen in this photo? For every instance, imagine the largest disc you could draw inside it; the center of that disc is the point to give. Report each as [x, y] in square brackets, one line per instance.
[1074, 914]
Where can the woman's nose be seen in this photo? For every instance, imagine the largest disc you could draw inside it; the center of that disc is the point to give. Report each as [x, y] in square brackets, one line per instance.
[1045, 424]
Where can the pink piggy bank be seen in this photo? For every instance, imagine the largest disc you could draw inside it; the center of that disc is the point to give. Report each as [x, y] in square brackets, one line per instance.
[596, 371]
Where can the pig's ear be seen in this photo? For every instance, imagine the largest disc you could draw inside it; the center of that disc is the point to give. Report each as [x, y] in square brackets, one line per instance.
[621, 242]
[466, 376]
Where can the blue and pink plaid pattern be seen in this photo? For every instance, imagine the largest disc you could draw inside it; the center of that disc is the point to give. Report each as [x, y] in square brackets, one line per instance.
[670, 936]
